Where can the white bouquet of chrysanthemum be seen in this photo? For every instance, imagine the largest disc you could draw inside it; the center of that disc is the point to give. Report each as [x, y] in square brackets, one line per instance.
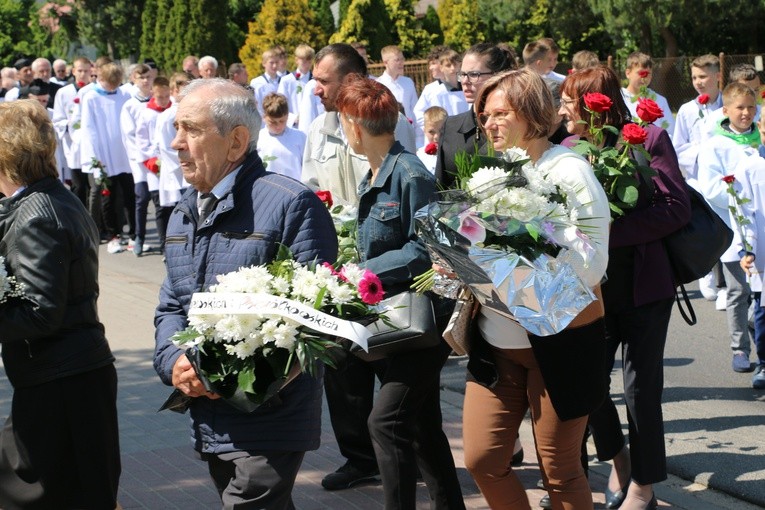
[9, 287]
[510, 233]
[260, 326]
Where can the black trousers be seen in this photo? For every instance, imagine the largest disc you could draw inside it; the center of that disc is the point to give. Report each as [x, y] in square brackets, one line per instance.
[121, 193]
[255, 480]
[59, 448]
[406, 429]
[80, 186]
[642, 333]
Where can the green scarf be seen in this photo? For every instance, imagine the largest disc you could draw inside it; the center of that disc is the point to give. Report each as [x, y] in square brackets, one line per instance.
[752, 138]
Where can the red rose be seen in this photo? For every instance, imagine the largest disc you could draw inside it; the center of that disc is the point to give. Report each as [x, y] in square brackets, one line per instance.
[431, 148]
[729, 179]
[297, 75]
[703, 99]
[643, 73]
[105, 192]
[634, 134]
[80, 84]
[762, 93]
[648, 110]
[325, 196]
[571, 71]
[76, 100]
[597, 102]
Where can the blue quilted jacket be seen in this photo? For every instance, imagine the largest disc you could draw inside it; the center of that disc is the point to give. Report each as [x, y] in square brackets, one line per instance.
[262, 210]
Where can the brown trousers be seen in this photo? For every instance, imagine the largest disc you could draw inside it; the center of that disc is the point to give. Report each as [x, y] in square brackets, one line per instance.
[490, 422]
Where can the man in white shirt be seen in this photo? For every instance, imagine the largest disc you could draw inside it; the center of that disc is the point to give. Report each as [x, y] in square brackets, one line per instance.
[267, 82]
[402, 86]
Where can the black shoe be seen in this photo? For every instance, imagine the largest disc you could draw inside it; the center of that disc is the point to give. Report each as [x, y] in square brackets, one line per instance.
[615, 499]
[545, 502]
[517, 459]
[347, 476]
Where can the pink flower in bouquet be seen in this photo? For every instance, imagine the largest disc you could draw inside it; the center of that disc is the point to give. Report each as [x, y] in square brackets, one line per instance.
[471, 229]
[648, 110]
[333, 271]
[370, 288]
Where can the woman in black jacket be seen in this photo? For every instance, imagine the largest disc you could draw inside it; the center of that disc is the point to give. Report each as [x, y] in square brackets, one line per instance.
[60, 446]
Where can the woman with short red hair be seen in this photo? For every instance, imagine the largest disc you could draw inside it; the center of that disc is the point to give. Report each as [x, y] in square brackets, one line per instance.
[405, 422]
[637, 296]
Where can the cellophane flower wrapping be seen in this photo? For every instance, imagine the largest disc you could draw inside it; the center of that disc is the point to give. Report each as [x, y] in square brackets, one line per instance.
[283, 317]
[510, 235]
[9, 287]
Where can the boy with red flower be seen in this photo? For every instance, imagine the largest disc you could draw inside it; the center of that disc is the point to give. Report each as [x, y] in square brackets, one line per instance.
[639, 73]
[735, 145]
[434, 119]
[689, 135]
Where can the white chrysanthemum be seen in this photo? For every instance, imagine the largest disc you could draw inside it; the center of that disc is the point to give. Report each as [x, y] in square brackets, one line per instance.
[518, 203]
[246, 279]
[340, 293]
[229, 328]
[353, 273]
[280, 286]
[485, 175]
[241, 350]
[538, 183]
[305, 285]
[515, 154]
[204, 323]
[286, 335]
[269, 329]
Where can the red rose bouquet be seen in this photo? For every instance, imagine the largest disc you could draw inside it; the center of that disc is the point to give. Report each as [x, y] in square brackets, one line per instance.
[613, 165]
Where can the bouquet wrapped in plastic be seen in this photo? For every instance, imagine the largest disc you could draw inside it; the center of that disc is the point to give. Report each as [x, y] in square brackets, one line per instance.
[510, 234]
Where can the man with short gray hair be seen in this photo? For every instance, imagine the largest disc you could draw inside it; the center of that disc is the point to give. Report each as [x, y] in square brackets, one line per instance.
[208, 67]
[59, 72]
[253, 458]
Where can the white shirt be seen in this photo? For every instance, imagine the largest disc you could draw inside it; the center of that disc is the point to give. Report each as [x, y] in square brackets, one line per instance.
[293, 87]
[66, 121]
[171, 181]
[262, 86]
[666, 122]
[552, 75]
[689, 133]
[101, 133]
[286, 150]
[131, 112]
[429, 160]
[405, 93]
[309, 107]
[436, 94]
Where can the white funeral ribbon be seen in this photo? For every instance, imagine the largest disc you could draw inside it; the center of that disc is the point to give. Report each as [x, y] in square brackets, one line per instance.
[241, 303]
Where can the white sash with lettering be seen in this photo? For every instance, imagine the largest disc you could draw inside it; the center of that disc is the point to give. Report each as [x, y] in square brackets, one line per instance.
[203, 303]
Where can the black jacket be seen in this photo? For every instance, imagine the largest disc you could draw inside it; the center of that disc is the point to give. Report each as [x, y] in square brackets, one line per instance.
[50, 244]
[460, 133]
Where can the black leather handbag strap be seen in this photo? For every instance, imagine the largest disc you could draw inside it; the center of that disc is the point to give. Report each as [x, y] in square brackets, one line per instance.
[690, 316]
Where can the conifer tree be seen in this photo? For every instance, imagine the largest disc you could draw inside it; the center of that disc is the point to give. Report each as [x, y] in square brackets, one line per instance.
[432, 25]
[324, 18]
[460, 23]
[205, 32]
[285, 22]
[411, 38]
[367, 21]
[148, 29]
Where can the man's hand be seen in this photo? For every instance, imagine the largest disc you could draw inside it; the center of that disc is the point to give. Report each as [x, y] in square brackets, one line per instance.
[746, 262]
[186, 380]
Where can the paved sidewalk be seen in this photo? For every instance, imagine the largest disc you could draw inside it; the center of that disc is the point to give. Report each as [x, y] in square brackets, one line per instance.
[160, 470]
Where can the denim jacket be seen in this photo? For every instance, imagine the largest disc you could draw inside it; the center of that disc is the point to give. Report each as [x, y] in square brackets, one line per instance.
[387, 243]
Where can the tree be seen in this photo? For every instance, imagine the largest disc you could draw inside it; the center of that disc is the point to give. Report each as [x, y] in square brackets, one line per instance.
[53, 29]
[459, 22]
[14, 29]
[112, 26]
[324, 18]
[241, 12]
[149, 29]
[411, 38]
[205, 29]
[432, 25]
[285, 22]
[367, 22]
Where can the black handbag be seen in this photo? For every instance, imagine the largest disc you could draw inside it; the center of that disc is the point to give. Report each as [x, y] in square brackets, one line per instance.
[409, 325]
[695, 248]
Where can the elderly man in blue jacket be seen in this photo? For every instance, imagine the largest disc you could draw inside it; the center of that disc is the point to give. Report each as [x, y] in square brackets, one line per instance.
[246, 212]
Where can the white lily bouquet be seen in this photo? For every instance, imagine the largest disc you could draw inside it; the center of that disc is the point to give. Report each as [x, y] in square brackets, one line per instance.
[508, 233]
[9, 287]
[261, 326]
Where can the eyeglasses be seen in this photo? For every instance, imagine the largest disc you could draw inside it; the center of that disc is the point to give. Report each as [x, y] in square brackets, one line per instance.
[568, 102]
[497, 115]
[471, 76]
